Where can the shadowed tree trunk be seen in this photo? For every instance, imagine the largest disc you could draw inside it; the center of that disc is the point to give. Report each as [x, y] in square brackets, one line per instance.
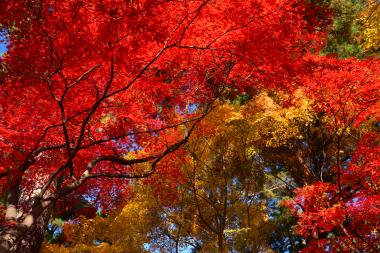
[24, 234]
[19, 238]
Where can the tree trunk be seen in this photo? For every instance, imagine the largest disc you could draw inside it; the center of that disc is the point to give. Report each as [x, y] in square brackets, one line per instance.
[221, 242]
[19, 238]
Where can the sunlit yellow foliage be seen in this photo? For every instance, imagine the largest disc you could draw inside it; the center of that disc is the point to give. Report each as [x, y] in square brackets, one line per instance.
[275, 124]
[125, 231]
[224, 175]
[370, 20]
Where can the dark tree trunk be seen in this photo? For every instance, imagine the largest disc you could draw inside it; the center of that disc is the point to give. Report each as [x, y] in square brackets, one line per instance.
[19, 238]
[221, 242]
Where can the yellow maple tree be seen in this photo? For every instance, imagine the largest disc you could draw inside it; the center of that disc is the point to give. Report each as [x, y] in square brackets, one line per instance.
[370, 21]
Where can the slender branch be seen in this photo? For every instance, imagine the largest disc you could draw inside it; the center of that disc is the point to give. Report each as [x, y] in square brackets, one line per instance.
[153, 131]
[4, 173]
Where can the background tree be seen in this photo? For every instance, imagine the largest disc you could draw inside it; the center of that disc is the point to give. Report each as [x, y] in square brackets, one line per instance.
[330, 210]
[122, 229]
[222, 180]
[344, 33]
[370, 29]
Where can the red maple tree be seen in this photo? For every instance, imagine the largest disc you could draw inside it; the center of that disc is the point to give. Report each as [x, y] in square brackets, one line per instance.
[341, 214]
[86, 82]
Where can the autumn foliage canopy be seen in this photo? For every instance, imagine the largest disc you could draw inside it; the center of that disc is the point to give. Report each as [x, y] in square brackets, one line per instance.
[95, 94]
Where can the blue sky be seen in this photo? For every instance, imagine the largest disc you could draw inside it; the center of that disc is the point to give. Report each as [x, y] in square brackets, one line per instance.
[3, 47]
